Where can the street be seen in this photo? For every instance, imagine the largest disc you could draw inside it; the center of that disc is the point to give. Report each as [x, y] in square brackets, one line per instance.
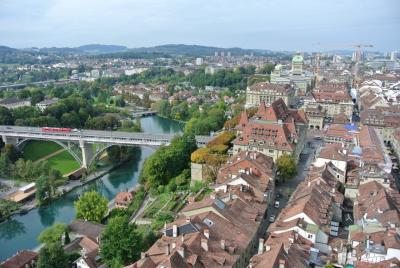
[287, 188]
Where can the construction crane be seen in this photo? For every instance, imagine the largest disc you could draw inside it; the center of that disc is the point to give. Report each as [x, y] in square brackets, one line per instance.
[359, 46]
[355, 45]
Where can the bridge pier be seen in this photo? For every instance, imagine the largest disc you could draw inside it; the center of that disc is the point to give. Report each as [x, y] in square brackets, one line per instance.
[9, 140]
[87, 153]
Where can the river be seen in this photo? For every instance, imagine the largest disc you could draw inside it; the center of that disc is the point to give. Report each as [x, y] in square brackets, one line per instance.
[21, 231]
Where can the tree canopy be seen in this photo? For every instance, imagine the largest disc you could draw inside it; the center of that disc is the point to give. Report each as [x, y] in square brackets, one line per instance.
[91, 206]
[158, 168]
[286, 166]
[52, 255]
[120, 242]
[52, 234]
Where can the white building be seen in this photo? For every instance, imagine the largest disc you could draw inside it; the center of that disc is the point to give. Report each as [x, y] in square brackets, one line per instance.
[199, 61]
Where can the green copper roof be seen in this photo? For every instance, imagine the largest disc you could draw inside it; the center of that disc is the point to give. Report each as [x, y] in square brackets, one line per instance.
[297, 58]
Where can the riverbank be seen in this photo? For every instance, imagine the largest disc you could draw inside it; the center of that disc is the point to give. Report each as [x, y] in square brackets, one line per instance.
[21, 231]
[176, 120]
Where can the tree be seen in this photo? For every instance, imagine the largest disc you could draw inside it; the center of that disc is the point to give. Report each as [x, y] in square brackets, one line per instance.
[6, 117]
[67, 240]
[286, 166]
[36, 96]
[267, 68]
[91, 207]
[52, 255]
[11, 152]
[114, 154]
[53, 234]
[44, 189]
[157, 169]
[120, 241]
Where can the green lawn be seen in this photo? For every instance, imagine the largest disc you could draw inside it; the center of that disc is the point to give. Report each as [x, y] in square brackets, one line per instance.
[64, 162]
[34, 150]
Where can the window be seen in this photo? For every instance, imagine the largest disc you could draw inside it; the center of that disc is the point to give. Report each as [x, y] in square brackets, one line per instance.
[271, 151]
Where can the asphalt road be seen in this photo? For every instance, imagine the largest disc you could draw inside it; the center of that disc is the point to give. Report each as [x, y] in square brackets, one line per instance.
[287, 188]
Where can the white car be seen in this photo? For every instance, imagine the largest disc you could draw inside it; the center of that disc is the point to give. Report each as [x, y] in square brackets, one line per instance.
[272, 218]
[276, 205]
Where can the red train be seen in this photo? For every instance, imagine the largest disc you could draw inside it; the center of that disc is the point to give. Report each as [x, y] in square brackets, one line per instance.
[56, 129]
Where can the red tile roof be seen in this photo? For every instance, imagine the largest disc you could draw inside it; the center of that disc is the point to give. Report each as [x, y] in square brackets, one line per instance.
[20, 259]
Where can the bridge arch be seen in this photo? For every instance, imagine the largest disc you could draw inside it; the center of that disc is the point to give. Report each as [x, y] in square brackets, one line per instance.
[98, 153]
[22, 143]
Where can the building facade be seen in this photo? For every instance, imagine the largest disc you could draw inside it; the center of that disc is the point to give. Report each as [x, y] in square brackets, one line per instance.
[268, 93]
[273, 131]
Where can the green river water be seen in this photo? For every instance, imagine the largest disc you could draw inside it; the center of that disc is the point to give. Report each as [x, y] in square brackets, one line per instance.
[21, 231]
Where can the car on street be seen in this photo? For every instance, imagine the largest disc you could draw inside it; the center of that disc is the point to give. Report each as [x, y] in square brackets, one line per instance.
[276, 205]
[272, 218]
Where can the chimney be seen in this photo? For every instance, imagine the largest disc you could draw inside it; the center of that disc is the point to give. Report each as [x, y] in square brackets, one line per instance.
[251, 170]
[188, 219]
[173, 245]
[309, 184]
[174, 230]
[143, 255]
[291, 240]
[267, 248]
[223, 244]
[282, 263]
[333, 190]
[204, 244]
[207, 233]
[181, 251]
[260, 246]
[167, 250]
[241, 187]
[318, 182]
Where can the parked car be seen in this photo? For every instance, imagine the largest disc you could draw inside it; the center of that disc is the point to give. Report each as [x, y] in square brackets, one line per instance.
[276, 205]
[272, 218]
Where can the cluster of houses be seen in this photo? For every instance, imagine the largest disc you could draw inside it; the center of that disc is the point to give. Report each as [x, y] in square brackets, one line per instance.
[13, 103]
[183, 92]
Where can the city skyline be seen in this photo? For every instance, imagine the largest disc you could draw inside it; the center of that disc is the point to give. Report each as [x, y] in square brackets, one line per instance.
[331, 25]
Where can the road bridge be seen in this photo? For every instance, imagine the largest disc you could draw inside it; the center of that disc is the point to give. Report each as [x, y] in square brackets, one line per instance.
[40, 83]
[144, 113]
[18, 135]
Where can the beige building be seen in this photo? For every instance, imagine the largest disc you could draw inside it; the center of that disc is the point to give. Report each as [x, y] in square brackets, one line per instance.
[334, 103]
[316, 117]
[301, 79]
[268, 93]
[385, 120]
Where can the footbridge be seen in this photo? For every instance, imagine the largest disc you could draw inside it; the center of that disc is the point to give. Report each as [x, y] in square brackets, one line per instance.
[83, 140]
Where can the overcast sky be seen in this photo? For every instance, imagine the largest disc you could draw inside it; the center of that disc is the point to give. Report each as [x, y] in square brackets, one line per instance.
[266, 24]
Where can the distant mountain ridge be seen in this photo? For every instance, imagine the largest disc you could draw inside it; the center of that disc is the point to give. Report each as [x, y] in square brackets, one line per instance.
[170, 49]
[197, 50]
